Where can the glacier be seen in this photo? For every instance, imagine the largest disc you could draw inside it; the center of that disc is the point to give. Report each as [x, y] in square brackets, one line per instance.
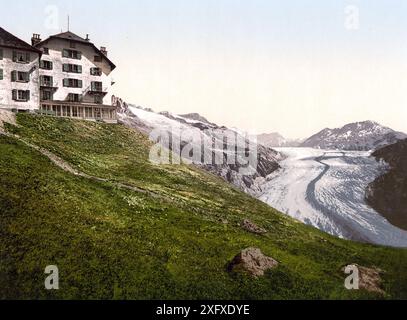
[326, 189]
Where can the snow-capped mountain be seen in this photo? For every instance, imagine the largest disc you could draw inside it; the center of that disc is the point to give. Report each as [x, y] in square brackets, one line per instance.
[367, 135]
[276, 140]
[206, 136]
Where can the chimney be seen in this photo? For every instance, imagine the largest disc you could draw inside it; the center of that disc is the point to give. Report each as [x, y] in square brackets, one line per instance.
[87, 37]
[36, 39]
[103, 50]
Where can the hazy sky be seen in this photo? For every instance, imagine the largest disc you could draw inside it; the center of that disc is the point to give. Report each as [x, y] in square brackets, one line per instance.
[292, 66]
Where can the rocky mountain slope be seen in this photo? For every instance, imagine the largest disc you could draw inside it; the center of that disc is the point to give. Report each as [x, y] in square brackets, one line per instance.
[388, 193]
[128, 229]
[276, 140]
[367, 135]
[209, 138]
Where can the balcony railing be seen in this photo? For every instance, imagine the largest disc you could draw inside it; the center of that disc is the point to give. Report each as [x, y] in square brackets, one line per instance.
[97, 90]
[48, 84]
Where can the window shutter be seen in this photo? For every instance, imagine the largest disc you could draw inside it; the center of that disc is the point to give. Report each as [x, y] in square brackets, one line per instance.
[80, 84]
[14, 94]
[27, 95]
[27, 77]
[66, 82]
[51, 64]
[27, 57]
[14, 56]
[13, 76]
[65, 67]
[1, 74]
[65, 53]
[42, 64]
[79, 55]
[1, 54]
[80, 69]
[51, 79]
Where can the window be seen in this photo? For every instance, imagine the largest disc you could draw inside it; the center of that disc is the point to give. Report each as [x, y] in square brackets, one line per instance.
[88, 112]
[65, 112]
[45, 51]
[46, 65]
[95, 71]
[96, 86]
[73, 83]
[46, 95]
[21, 57]
[1, 74]
[72, 54]
[98, 59]
[1, 54]
[46, 81]
[21, 95]
[98, 99]
[74, 111]
[74, 68]
[19, 76]
[73, 97]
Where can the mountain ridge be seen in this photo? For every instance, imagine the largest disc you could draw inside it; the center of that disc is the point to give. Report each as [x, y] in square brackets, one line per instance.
[363, 135]
[205, 133]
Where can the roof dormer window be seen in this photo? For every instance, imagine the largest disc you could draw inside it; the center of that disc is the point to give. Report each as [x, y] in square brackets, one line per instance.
[72, 54]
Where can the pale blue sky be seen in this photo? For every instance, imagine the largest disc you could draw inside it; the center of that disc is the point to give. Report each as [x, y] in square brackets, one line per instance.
[261, 65]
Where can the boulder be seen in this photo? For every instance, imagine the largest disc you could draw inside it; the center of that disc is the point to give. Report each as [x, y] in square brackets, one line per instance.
[252, 261]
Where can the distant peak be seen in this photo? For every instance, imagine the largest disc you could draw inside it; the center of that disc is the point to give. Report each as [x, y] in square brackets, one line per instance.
[370, 122]
[195, 116]
[270, 134]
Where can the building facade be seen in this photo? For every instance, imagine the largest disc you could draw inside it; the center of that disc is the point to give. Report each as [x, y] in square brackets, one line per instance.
[75, 77]
[64, 76]
[19, 73]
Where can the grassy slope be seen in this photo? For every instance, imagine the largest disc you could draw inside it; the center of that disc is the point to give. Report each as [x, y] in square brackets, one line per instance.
[118, 244]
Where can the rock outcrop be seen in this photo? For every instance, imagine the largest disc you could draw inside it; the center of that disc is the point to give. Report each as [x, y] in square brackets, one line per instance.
[252, 261]
[6, 117]
[252, 227]
[370, 279]
[388, 193]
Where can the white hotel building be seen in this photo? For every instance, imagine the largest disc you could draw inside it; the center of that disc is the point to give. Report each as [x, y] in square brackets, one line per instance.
[19, 73]
[69, 77]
